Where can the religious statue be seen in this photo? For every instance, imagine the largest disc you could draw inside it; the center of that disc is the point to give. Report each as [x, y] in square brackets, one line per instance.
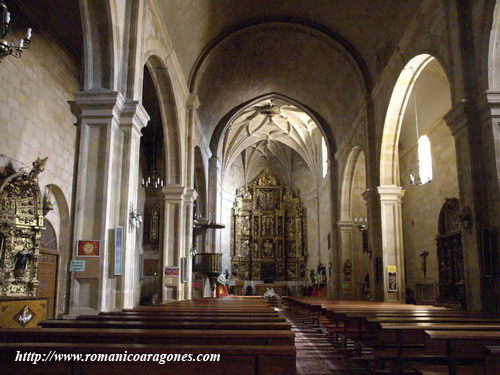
[21, 258]
[268, 249]
[38, 167]
[267, 226]
[423, 262]
[321, 275]
[267, 179]
[313, 277]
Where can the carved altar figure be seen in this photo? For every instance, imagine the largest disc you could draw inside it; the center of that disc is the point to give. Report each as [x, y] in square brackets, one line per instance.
[268, 232]
[21, 225]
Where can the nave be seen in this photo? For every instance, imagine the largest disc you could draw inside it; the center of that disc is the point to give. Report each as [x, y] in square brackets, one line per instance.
[252, 335]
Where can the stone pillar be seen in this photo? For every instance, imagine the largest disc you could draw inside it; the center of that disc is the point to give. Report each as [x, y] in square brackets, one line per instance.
[189, 197]
[489, 105]
[335, 251]
[392, 240]
[108, 162]
[346, 244]
[376, 282]
[213, 199]
[173, 238]
[134, 118]
[471, 186]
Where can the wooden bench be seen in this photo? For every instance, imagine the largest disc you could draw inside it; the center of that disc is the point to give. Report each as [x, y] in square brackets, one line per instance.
[189, 318]
[150, 336]
[159, 324]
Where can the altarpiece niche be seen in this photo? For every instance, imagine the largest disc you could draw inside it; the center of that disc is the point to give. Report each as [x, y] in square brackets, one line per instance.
[268, 232]
[21, 225]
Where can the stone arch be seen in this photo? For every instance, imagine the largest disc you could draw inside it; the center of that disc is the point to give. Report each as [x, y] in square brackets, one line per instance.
[389, 166]
[63, 231]
[390, 190]
[349, 236]
[169, 115]
[99, 44]
[346, 189]
[215, 141]
[314, 29]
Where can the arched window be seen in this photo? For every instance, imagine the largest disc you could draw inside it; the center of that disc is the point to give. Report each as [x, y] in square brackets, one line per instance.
[424, 159]
[324, 156]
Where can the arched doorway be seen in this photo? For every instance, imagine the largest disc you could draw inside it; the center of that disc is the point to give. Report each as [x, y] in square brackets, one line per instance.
[48, 268]
[417, 173]
[355, 254]
[152, 178]
[277, 134]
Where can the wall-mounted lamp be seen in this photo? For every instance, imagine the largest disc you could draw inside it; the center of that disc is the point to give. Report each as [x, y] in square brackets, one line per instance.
[361, 223]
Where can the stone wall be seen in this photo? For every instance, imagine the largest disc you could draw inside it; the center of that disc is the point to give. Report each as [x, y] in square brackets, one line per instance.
[36, 121]
[422, 204]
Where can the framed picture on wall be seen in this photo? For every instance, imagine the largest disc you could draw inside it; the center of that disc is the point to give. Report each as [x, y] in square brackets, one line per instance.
[118, 250]
[88, 248]
[392, 284]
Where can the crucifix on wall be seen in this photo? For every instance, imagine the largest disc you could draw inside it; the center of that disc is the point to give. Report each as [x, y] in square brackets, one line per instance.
[423, 262]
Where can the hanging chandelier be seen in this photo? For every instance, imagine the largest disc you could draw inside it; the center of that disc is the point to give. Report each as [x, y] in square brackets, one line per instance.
[8, 48]
[154, 180]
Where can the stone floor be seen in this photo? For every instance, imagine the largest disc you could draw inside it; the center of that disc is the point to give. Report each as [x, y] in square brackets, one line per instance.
[315, 352]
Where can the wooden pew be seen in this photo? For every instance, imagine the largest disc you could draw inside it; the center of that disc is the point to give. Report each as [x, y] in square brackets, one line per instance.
[463, 351]
[190, 313]
[149, 336]
[158, 324]
[492, 360]
[189, 318]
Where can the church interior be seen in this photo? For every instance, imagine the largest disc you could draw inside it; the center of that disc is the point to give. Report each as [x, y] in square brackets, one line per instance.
[288, 186]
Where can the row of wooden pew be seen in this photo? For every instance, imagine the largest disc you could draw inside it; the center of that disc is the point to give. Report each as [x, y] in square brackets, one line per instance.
[250, 337]
[388, 338]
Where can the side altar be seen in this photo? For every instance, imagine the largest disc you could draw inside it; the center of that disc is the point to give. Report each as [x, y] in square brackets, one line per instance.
[22, 211]
[268, 233]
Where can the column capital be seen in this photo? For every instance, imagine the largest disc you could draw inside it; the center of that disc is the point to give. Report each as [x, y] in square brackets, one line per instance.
[193, 102]
[98, 104]
[173, 192]
[190, 195]
[391, 193]
[488, 105]
[134, 115]
[456, 118]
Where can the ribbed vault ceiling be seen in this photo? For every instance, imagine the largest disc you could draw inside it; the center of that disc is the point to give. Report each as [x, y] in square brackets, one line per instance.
[271, 129]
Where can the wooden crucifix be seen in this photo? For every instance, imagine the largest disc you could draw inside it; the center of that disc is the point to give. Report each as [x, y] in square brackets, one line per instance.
[423, 262]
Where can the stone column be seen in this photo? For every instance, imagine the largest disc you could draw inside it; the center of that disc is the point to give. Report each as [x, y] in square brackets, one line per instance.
[376, 282]
[489, 105]
[189, 197]
[471, 187]
[134, 118]
[345, 239]
[173, 238]
[213, 199]
[392, 240]
[107, 178]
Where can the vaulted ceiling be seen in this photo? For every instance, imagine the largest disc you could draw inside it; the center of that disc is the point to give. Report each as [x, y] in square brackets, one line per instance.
[272, 129]
[372, 27]
[324, 54]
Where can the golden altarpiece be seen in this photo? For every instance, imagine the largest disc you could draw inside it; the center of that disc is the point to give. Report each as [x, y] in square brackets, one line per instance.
[268, 232]
[22, 212]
